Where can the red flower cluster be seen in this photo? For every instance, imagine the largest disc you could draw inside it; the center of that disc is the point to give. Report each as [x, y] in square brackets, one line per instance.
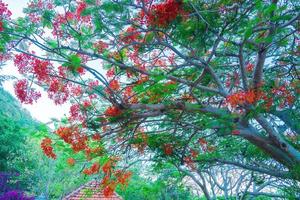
[29, 64]
[123, 177]
[242, 97]
[129, 96]
[162, 14]
[113, 177]
[109, 190]
[80, 8]
[131, 35]
[76, 113]
[93, 84]
[283, 92]
[41, 69]
[114, 85]
[24, 93]
[113, 111]
[202, 141]
[58, 91]
[100, 46]
[194, 153]
[23, 62]
[73, 137]
[4, 12]
[189, 162]
[94, 169]
[96, 137]
[76, 90]
[46, 145]
[109, 186]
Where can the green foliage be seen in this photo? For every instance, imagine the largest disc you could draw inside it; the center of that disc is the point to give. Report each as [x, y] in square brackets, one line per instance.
[16, 124]
[164, 187]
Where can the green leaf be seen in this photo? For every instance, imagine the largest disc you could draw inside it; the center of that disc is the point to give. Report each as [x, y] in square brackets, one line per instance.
[248, 32]
[149, 37]
[75, 60]
[87, 11]
[52, 44]
[270, 9]
[47, 18]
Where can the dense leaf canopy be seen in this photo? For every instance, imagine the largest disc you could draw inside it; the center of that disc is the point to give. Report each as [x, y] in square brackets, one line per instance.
[192, 83]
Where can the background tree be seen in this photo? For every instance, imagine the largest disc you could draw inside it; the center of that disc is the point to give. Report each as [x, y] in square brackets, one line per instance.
[192, 83]
[16, 124]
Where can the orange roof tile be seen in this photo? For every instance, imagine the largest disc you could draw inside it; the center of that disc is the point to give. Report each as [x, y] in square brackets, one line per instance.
[90, 191]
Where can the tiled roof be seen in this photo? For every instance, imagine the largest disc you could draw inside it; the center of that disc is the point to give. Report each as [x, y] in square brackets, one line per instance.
[90, 191]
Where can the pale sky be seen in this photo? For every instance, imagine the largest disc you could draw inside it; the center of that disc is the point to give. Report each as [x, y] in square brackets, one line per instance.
[44, 109]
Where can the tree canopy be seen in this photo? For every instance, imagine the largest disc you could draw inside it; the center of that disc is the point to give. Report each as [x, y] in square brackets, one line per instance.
[192, 83]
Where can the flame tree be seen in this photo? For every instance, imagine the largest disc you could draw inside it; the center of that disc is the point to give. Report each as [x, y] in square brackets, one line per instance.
[193, 83]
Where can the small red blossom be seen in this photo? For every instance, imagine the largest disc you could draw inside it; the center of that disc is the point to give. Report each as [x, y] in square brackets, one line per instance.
[123, 177]
[168, 149]
[34, 18]
[107, 167]
[194, 153]
[96, 137]
[76, 113]
[129, 96]
[113, 111]
[108, 191]
[69, 16]
[93, 84]
[80, 70]
[86, 104]
[202, 141]
[94, 169]
[130, 35]
[76, 90]
[100, 46]
[249, 67]
[71, 161]
[189, 162]
[235, 132]
[286, 97]
[110, 73]
[1, 26]
[80, 8]
[114, 85]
